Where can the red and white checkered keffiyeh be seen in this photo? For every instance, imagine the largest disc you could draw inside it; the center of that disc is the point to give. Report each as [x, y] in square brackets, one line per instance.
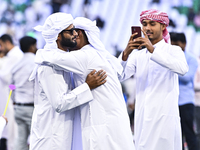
[157, 16]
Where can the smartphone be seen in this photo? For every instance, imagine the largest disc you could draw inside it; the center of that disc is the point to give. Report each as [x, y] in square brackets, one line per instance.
[136, 29]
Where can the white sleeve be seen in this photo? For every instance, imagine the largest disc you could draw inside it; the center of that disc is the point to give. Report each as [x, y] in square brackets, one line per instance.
[129, 67]
[57, 90]
[75, 61]
[173, 59]
[2, 125]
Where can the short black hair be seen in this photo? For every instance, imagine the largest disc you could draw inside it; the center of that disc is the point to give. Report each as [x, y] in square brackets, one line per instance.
[175, 37]
[6, 37]
[26, 42]
[181, 37]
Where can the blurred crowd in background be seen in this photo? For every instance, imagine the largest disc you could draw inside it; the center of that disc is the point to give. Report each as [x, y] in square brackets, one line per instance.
[114, 18]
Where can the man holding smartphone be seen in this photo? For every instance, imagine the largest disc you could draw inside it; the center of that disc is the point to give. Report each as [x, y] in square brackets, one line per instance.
[156, 67]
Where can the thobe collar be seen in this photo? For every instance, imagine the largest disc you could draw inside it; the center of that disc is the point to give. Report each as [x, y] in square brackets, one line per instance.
[86, 46]
[29, 54]
[160, 43]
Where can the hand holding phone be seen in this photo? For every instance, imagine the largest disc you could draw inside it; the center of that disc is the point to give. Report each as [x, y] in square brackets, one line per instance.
[132, 44]
[136, 29]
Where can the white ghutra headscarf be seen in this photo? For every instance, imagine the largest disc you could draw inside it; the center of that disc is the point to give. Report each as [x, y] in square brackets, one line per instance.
[53, 25]
[92, 32]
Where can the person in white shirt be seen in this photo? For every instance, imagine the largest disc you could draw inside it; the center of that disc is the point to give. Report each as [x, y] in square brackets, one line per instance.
[56, 116]
[104, 121]
[3, 122]
[157, 121]
[23, 95]
[13, 56]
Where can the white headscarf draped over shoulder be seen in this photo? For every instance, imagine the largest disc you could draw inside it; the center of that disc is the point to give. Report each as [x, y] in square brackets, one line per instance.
[53, 25]
[92, 32]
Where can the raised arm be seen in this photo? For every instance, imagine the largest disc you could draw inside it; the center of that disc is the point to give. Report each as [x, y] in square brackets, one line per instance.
[174, 59]
[132, 44]
[75, 61]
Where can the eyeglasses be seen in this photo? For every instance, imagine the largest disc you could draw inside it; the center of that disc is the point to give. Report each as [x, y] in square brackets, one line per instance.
[71, 31]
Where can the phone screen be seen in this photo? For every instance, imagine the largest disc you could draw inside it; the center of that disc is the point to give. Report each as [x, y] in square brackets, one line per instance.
[136, 29]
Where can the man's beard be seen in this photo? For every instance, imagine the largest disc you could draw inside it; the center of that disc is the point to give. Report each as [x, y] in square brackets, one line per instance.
[67, 42]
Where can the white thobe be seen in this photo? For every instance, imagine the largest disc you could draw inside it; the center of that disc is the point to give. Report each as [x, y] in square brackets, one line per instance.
[157, 122]
[11, 59]
[55, 109]
[105, 122]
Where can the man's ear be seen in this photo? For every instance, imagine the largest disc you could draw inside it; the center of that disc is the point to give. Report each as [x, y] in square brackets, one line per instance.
[163, 26]
[59, 37]
[7, 42]
[79, 33]
[30, 48]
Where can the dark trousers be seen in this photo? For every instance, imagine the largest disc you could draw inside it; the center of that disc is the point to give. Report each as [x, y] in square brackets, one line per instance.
[197, 121]
[3, 144]
[187, 119]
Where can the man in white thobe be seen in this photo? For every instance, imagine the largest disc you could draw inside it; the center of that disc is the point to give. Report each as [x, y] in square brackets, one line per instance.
[156, 67]
[13, 56]
[104, 121]
[23, 95]
[55, 115]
